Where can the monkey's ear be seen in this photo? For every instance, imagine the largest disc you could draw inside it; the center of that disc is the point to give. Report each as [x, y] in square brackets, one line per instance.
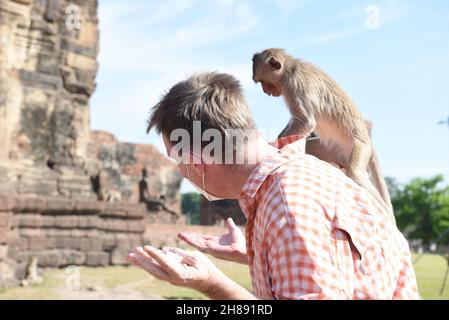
[275, 63]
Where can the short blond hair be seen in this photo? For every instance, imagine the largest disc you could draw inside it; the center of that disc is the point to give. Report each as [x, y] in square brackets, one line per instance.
[215, 99]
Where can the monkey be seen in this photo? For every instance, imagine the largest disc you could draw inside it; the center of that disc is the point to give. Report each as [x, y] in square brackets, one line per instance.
[104, 190]
[32, 274]
[318, 104]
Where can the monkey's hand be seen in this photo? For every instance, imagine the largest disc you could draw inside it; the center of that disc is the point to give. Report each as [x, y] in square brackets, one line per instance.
[230, 246]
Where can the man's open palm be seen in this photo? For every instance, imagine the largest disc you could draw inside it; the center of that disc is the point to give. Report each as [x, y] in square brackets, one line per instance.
[230, 246]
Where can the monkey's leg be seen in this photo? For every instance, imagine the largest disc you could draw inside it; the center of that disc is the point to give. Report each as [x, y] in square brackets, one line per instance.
[317, 149]
[379, 180]
[302, 126]
[357, 170]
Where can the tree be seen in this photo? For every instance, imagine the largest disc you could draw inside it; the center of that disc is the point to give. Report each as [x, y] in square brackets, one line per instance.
[190, 205]
[421, 207]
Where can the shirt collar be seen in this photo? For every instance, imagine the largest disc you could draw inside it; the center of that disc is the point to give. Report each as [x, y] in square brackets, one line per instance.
[290, 148]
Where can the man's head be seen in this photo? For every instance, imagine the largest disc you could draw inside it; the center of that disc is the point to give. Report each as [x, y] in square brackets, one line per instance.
[216, 102]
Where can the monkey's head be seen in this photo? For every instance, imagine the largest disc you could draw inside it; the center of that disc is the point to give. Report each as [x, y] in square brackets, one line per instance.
[268, 67]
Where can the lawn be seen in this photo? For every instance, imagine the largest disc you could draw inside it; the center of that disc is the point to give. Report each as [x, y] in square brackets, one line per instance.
[132, 283]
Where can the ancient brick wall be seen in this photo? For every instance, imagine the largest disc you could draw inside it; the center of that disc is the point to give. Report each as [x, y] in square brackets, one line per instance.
[7, 272]
[62, 232]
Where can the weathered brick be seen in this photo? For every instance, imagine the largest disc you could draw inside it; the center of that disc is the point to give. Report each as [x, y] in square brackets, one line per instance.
[78, 233]
[135, 241]
[29, 220]
[49, 258]
[92, 233]
[53, 232]
[38, 243]
[135, 211]
[87, 222]
[3, 252]
[115, 225]
[29, 204]
[86, 206]
[97, 259]
[18, 255]
[3, 235]
[113, 210]
[48, 221]
[30, 232]
[119, 256]
[122, 240]
[66, 221]
[6, 203]
[51, 242]
[60, 205]
[109, 242]
[18, 243]
[68, 243]
[89, 245]
[4, 219]
[71, 257]
[136, 226]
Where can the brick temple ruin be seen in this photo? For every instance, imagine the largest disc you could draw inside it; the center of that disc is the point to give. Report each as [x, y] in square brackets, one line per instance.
[68, 195]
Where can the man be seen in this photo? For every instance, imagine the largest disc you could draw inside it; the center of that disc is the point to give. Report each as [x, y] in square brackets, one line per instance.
[312, 233]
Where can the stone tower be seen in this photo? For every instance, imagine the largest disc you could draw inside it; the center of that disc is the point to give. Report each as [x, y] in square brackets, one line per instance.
[48, 65]
[53, 167]
[47, 74]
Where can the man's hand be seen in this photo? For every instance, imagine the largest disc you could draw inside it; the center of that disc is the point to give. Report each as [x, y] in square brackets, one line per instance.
[189, 269]
[230, 246]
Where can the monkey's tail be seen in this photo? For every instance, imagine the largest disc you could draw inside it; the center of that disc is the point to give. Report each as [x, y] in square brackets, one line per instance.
[380, 184]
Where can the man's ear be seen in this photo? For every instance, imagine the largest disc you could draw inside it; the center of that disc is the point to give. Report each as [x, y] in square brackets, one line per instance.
[275, 63]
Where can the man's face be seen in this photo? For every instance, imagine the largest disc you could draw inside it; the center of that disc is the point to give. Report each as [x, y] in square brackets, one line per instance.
[182, 165]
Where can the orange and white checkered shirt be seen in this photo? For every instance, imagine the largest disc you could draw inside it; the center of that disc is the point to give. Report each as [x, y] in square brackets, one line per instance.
[312, 233]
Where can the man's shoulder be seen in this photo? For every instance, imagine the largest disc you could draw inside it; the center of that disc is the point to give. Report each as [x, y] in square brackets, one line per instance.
[308, 173]
[300, 190]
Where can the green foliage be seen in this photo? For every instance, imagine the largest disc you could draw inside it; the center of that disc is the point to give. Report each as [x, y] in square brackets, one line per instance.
[190, 206]
[421, 207]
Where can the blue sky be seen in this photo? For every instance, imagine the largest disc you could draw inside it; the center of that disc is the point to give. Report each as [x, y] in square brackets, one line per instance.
[398, 73]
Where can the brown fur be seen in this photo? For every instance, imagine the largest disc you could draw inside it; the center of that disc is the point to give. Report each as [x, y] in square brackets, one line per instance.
[317, 103]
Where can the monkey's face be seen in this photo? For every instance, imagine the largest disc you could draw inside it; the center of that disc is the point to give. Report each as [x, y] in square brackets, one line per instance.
[270, 89]
[267, 71]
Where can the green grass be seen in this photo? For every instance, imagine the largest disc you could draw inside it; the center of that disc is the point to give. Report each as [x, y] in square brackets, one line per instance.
[430, 270]
[132, 283]
[117, 282]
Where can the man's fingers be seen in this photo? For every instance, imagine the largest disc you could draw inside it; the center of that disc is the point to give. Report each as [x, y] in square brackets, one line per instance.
[230, 224]
[167, 264]
[194, 240]
[196, 235]
[147, 265]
